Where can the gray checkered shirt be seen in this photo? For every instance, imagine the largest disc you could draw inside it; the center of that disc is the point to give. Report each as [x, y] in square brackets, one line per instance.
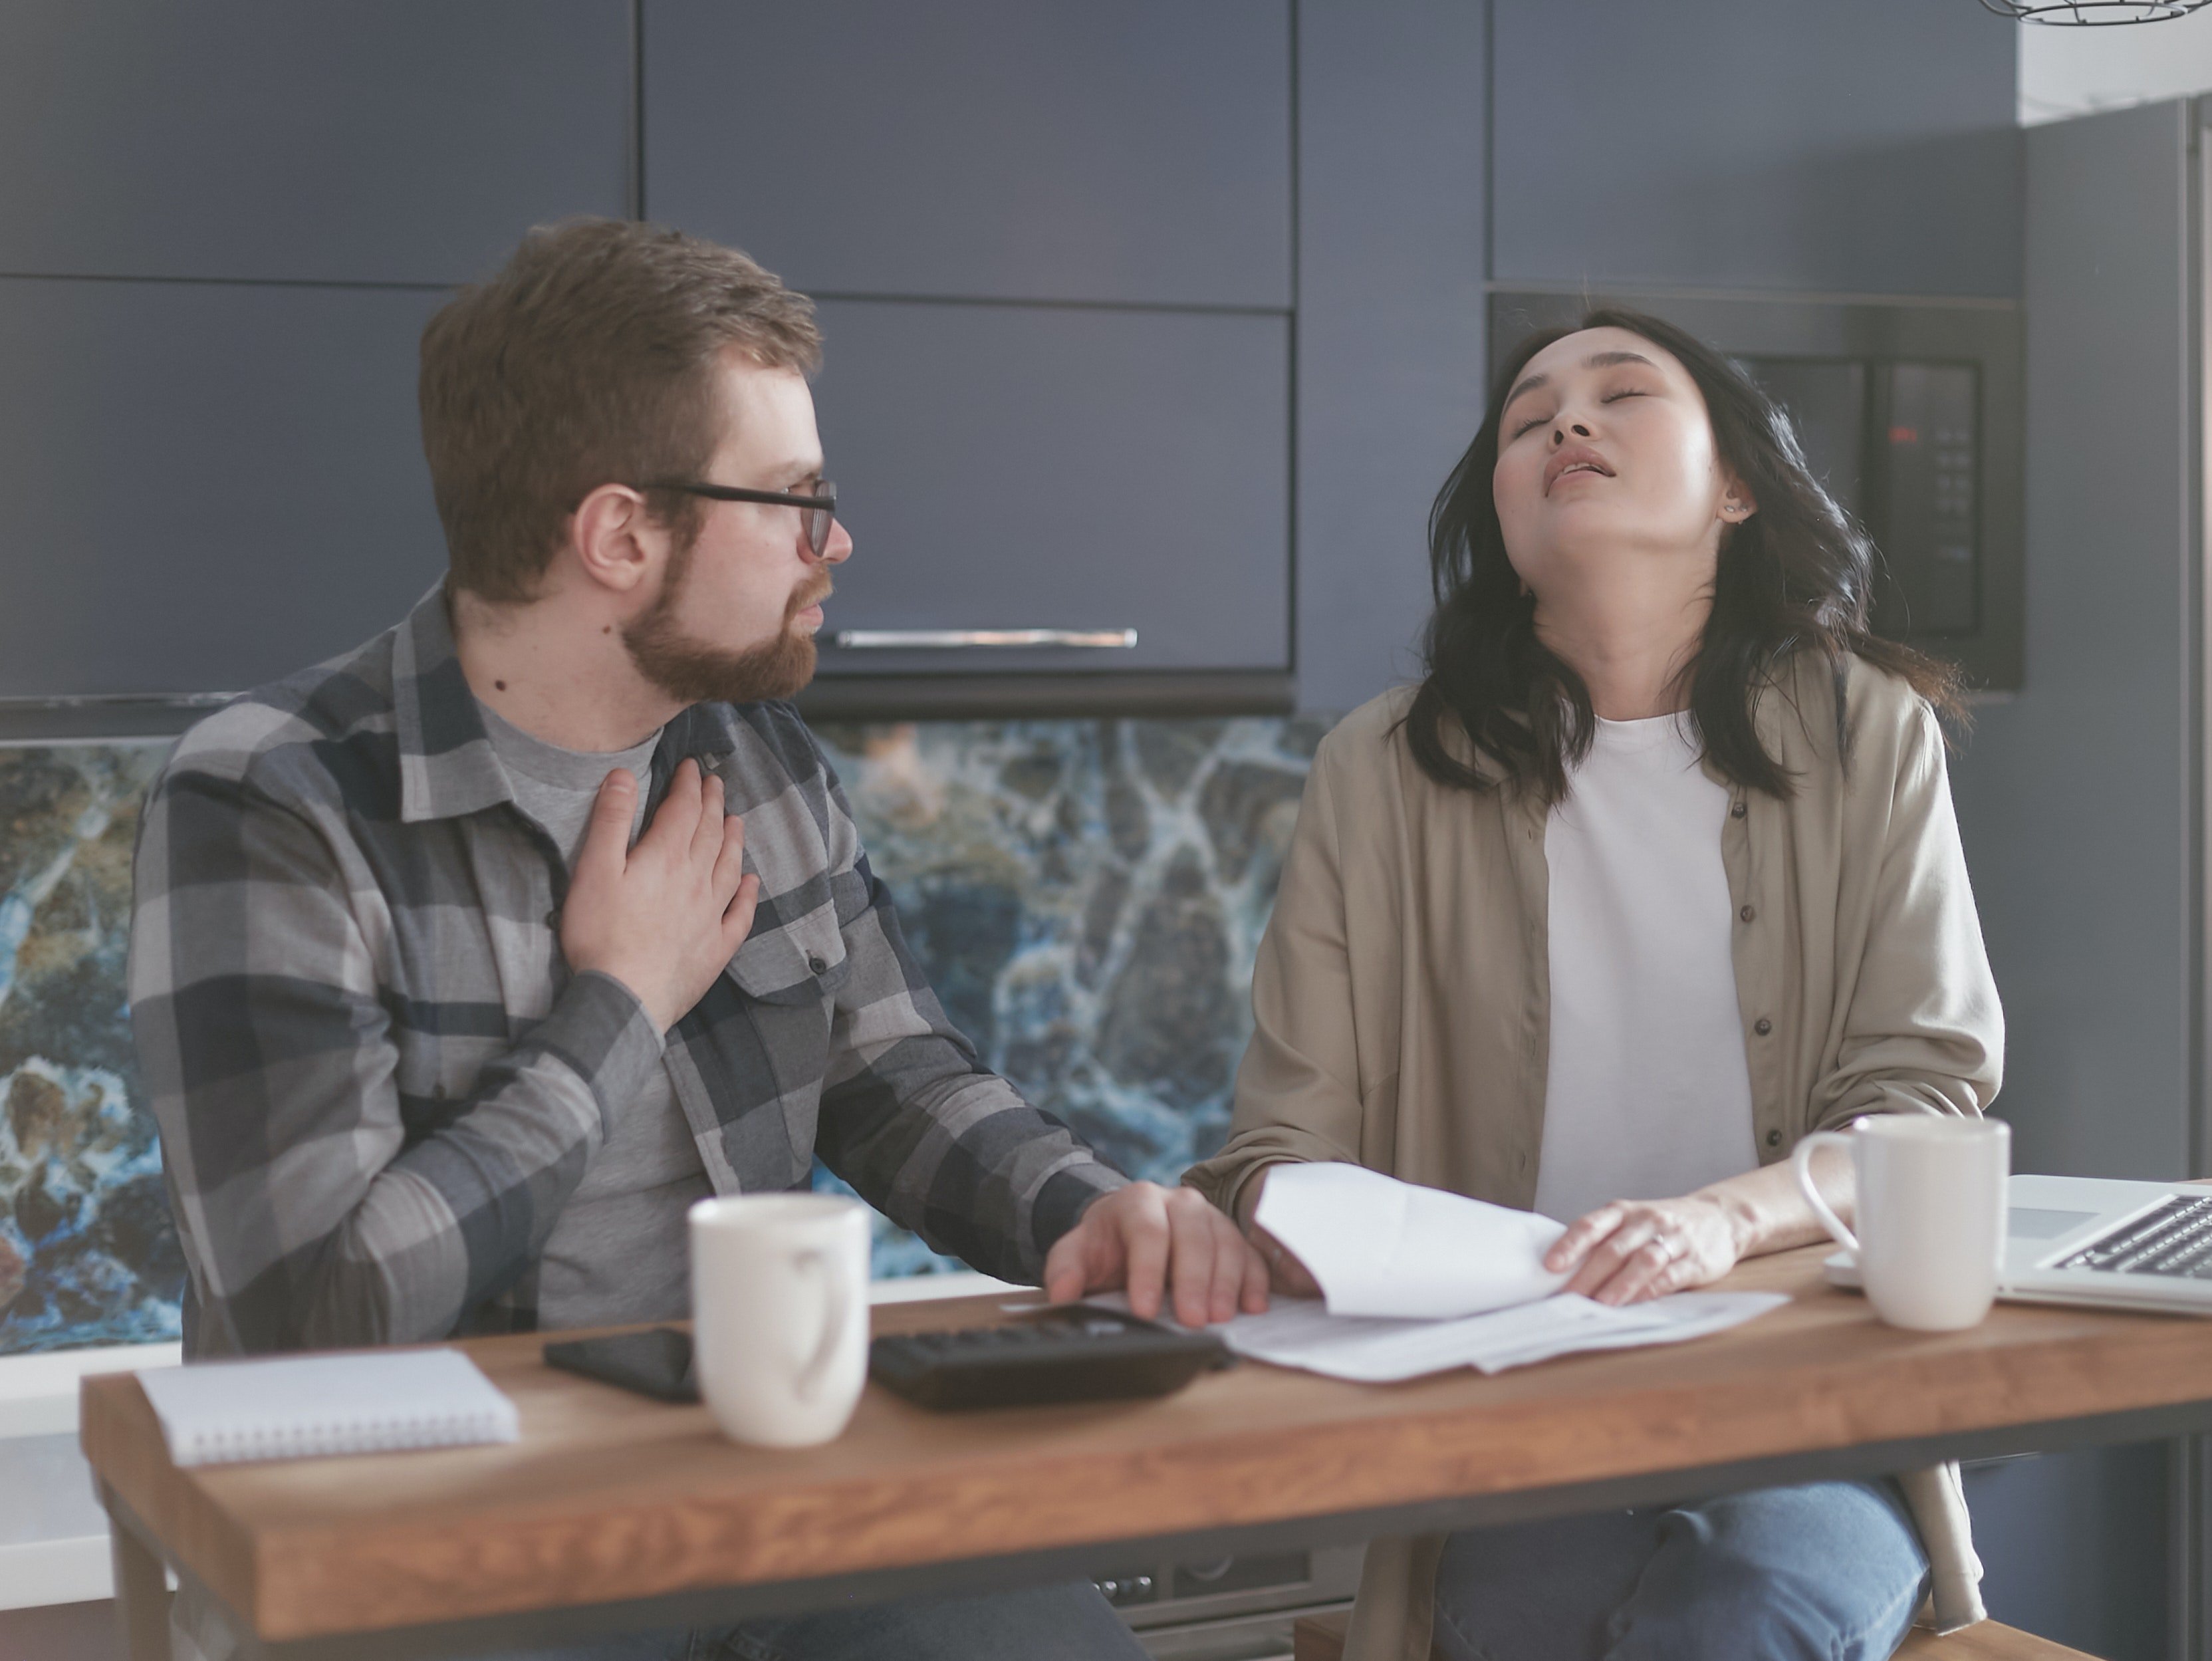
[377, 1082]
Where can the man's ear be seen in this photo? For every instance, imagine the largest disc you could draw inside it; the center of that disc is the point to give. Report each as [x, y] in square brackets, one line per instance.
[616, 540]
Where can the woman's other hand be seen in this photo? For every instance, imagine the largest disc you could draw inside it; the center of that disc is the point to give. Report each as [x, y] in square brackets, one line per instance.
[1631, 1250]
[1285, 1273]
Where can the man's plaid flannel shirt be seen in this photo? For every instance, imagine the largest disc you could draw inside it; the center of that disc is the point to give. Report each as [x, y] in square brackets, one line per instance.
[377, 1081]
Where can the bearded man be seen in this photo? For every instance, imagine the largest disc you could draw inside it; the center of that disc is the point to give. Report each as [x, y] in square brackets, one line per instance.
[463, 964]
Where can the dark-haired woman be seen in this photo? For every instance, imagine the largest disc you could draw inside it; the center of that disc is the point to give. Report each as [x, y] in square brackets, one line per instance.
[1655, 873]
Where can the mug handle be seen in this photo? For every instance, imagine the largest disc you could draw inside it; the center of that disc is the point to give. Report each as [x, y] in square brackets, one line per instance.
[833, 1321]
[1801, 1164]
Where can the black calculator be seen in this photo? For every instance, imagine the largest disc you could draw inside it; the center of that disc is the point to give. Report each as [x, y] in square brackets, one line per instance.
[1069, 1352]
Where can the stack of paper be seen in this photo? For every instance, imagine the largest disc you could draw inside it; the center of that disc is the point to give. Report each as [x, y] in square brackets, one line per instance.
[1301, 1333]
[1418, 1281]
[1378, 1246]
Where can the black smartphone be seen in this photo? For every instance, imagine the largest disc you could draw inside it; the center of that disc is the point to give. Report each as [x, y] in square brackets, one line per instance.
[656, 1362]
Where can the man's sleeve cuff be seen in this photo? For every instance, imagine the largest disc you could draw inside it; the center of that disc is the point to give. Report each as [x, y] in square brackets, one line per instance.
[600, 1030]
[1067, 1195]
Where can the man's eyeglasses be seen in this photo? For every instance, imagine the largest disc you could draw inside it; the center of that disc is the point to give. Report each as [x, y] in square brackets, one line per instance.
[819, 510]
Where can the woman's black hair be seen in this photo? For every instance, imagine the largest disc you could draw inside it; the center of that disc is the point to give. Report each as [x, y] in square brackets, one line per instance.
[1797, 576]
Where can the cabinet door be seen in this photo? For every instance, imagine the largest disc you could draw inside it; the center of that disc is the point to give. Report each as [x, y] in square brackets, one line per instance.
[1390, 323]
[1012, 467]
[1037, 150]
[1870, 148]
[410, 141]
[208, 484]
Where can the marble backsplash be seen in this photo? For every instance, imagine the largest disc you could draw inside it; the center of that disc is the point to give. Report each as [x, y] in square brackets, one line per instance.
[88, 1255]
[1086, 897]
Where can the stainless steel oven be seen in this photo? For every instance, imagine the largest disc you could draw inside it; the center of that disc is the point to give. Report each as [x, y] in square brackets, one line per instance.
[1233, 1608]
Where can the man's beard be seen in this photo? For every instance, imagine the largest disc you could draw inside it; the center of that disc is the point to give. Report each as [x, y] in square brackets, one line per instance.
[687, 669]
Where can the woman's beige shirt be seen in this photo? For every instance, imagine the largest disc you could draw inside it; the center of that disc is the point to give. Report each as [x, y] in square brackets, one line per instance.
[1401, 995]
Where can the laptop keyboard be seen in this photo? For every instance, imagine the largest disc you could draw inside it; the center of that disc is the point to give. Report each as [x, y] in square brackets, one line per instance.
[2174, 1240]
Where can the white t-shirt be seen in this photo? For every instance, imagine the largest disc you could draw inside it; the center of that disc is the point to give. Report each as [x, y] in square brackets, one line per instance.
[1647, 1093]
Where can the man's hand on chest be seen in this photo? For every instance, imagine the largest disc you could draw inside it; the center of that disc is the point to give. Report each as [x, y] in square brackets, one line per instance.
[663, 918]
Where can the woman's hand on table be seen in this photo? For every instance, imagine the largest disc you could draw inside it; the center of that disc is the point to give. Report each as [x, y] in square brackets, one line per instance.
[1631, 1250]
[1162, 1246]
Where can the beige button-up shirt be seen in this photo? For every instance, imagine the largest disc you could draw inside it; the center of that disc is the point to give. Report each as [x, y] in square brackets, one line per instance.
[1401, 995]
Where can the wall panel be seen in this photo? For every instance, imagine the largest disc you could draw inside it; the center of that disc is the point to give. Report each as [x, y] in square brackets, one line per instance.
[2074, 797]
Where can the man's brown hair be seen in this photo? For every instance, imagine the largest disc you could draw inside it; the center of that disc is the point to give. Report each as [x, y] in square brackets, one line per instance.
[588, 360]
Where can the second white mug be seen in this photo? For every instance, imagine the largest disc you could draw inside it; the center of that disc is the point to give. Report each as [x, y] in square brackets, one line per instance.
[779, 1314]
[1931, 1213]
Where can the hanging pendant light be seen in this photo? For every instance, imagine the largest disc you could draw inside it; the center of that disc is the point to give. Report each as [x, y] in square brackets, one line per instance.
[2087, 14]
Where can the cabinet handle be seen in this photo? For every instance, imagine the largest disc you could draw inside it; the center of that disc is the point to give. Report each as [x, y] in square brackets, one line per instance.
[864, 640]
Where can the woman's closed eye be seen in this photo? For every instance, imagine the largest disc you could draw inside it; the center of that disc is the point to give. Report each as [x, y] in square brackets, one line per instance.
[1530, 423]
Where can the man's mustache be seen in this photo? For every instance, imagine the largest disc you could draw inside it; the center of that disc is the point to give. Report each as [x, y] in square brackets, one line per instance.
[812, 593]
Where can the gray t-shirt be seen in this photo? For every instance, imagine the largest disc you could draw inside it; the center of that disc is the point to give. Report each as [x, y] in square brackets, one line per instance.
[618, 1251]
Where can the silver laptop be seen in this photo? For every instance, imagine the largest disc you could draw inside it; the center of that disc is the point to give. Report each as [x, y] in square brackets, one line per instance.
[2095, 1240]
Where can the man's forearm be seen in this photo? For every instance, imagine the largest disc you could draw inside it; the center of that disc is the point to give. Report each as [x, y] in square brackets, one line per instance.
[903, 1138]
[923, 1131]
[505, 1167]
[388, 1249]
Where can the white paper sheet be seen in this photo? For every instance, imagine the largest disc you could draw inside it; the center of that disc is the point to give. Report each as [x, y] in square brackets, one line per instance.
[1300, 1332]
[1417, 1281]
[1380, 1247]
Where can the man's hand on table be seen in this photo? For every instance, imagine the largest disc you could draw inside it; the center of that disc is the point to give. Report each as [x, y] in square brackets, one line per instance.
[1153, 1242]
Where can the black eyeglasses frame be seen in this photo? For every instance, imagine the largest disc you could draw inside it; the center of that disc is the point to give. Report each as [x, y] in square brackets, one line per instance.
[820, 508]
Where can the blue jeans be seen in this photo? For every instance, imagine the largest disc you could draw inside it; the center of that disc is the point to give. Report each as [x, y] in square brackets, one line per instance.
[1833, 1570]
[1066, 1622]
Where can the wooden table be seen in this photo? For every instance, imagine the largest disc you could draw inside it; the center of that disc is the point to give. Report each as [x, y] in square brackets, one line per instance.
[616, 1512]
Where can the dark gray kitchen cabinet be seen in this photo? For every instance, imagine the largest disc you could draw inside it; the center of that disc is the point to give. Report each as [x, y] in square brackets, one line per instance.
[208, 484]
[1390, 323]
[410, 141]
[1870, 147]
[1137, 152]
[1087, 469]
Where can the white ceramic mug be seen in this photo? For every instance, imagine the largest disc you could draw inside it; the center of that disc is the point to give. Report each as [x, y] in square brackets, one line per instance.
[1931, 1213]
[779, 1314]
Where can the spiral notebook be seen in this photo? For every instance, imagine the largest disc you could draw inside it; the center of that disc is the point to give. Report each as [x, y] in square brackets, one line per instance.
[305, 1407]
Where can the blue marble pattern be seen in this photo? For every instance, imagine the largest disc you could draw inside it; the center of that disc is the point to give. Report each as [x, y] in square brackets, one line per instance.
[1086, 897]
[88, 1255]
